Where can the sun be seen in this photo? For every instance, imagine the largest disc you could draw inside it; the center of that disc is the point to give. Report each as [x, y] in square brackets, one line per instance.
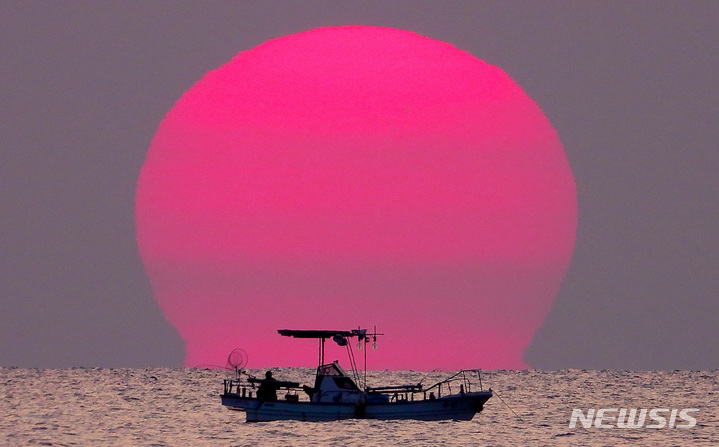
[350, 176]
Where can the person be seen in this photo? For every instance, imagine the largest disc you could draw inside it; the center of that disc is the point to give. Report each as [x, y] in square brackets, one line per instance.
[268, 388]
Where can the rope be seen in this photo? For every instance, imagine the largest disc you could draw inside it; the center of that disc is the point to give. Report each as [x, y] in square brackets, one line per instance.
[510, 408]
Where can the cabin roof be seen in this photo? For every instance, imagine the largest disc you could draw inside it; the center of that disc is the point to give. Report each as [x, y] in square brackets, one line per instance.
[300, 333]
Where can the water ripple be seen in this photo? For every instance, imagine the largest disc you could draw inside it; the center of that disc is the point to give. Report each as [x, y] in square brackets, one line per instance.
[168, 407]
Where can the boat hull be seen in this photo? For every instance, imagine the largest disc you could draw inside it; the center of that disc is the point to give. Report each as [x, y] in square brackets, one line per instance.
[453, 407]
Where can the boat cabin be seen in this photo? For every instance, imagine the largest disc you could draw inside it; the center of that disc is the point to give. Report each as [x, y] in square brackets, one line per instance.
[333, 385]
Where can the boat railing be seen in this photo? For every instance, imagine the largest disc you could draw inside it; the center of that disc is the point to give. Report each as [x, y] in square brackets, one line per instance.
[248, 387]
[462, 382]
[232, 386]
[396, 389]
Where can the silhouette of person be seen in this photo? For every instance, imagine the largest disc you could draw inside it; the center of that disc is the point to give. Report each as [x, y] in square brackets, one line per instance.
[268, 388]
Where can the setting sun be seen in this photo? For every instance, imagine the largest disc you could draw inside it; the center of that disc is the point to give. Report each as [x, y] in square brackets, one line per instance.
[351, 176]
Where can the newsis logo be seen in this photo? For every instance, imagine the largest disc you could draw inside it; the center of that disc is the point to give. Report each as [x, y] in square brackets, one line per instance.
[633, 418]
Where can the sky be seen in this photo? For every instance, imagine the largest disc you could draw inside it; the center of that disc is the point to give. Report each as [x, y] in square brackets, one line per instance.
[629, 87]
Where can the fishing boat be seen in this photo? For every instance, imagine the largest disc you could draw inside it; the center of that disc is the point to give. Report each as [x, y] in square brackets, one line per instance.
[337, 395]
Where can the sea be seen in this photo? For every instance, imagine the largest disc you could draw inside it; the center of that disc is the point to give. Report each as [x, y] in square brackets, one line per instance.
[181, 407]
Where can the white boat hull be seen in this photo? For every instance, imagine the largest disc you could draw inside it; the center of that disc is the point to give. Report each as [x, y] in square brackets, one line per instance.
[452, 407]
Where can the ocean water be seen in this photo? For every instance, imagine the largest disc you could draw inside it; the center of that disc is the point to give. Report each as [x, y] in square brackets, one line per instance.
[177, 407]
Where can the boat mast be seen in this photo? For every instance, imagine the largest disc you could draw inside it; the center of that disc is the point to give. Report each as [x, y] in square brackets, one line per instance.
[341, 338]
[322, 352]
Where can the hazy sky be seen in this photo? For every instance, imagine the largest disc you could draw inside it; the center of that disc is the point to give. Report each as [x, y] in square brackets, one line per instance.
[630, 88]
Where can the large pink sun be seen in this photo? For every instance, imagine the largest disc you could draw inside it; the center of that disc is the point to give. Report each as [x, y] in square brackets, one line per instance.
[353, 176]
